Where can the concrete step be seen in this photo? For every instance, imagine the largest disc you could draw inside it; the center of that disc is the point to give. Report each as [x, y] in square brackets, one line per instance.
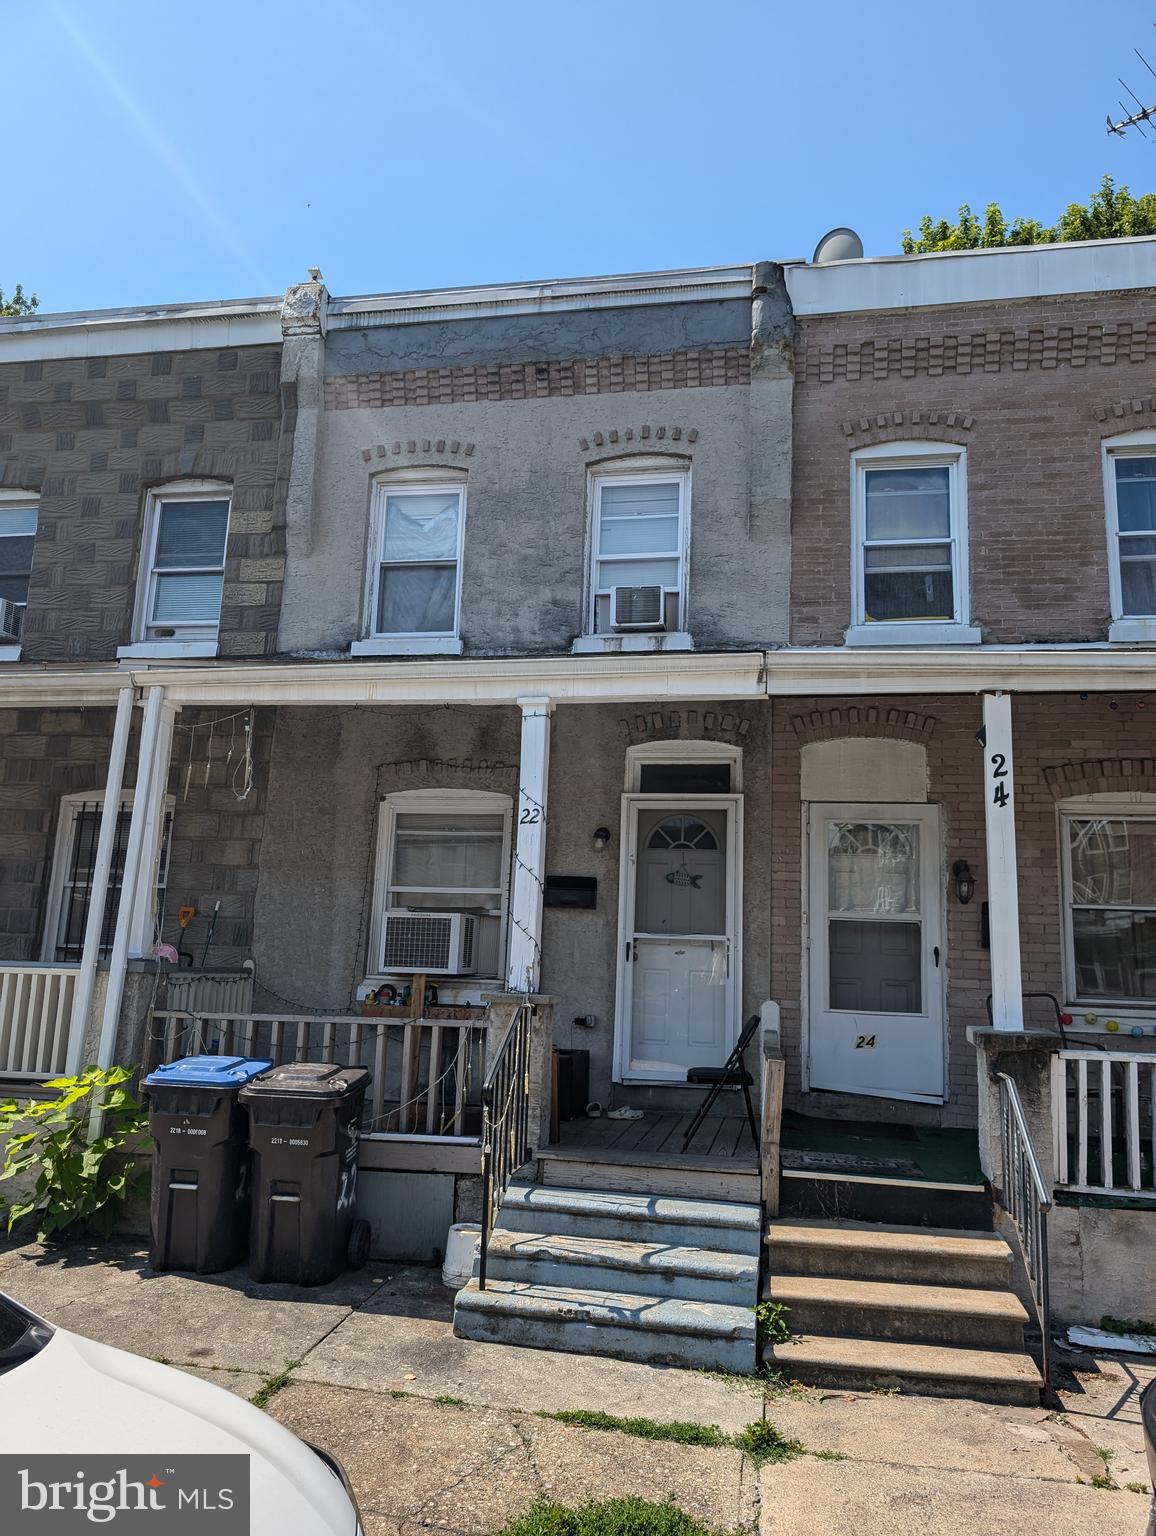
[882, 1309]
[991, 1376]
[645, 1268]
[694, 1334]
[651, 1173]
[719, 1225]
[861, 1251]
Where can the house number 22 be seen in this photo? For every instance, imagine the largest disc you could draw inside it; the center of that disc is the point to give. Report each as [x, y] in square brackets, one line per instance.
[530, 817]
[999, 795]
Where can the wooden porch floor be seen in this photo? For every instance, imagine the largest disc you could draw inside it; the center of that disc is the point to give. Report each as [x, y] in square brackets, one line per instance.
[720, 1138]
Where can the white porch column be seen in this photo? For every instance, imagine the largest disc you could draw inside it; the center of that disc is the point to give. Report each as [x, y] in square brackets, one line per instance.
[146, 758]
[1003, 892]
[98, 889]
[143, 927]
[525, 962]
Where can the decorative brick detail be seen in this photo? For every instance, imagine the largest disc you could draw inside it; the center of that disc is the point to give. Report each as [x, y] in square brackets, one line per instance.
[442, 448]
[988, 351]
[1102, 776]
[705, 369]
[687, 724]
[1118, 412]
[863, 720]
[616, 437]
[933, 425]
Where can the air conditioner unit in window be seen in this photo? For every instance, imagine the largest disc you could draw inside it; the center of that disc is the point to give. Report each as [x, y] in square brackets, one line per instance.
[637, 608]
[438, 943]
[9, 619]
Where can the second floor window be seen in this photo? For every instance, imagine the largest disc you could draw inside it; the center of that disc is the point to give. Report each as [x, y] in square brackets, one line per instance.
[183, 562]
[416, 560]
[17, 537]
[1132, 521]
[910, 539]
[638, 543]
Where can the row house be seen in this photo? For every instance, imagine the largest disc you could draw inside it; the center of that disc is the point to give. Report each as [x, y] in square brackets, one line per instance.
[579, 670]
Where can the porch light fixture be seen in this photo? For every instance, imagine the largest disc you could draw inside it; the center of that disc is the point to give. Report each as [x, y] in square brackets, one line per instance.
[601, 838]
[964, 881]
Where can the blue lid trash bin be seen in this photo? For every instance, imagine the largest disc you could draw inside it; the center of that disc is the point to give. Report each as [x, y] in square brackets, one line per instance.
[200, 1196]
[304, 1129]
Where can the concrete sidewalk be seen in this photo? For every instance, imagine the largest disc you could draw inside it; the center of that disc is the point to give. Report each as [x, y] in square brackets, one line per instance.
[440, 1434]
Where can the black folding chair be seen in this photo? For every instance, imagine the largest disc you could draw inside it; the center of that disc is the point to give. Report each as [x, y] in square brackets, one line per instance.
[732, 1074]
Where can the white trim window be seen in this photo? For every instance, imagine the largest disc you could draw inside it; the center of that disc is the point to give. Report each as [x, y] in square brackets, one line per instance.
[638, 541]
[1108, 858]
[444, 851]
[909, 576]
[69, 887]
[414, 584]
[18, 516]
[182, 569]
[1130, 500]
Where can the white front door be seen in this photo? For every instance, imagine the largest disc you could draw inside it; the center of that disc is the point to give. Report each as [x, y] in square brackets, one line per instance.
[876, 1010]
[677, 990]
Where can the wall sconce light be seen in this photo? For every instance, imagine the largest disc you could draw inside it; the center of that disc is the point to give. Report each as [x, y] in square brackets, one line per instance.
[601, 838]
[964, 881]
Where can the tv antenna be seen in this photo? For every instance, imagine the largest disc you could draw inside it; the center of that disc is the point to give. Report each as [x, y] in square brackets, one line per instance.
[1142, 114]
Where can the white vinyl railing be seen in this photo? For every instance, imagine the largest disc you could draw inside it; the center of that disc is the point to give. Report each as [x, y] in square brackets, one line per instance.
[1104, 1122]
[35, 1014]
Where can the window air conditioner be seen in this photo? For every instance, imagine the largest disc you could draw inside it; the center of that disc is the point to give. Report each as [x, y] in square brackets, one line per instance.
[9, 619]
[438, 943]
[637, 608]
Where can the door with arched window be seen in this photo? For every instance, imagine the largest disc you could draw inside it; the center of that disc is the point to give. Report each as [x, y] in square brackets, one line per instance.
[679, 964]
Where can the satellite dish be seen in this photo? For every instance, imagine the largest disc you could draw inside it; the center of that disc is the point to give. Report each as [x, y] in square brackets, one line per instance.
[838, 245]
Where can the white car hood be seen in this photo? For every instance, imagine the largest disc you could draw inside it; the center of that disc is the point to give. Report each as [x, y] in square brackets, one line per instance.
[76, 1395]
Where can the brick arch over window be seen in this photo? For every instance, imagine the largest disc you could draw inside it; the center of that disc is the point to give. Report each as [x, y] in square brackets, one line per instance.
[863, 720]
[1122, 415]
[906, 426]
[632, 439]
[1102, 776]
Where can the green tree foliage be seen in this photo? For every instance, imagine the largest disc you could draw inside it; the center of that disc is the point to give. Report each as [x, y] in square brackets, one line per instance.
[1110, 213]
[19, 304]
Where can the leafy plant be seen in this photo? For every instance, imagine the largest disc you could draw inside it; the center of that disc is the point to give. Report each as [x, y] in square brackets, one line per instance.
[1128, 1326]
[1110, 213]
[762, 1441]
[771, 1322]
[19, 305]
[606, 1517]
[80, 1183]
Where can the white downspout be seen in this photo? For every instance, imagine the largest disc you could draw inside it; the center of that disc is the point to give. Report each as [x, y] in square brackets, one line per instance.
[150, 732]
[98, 890]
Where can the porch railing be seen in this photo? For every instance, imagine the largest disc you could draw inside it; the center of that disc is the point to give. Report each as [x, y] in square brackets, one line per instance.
[505, 1122]
[424, 1073]
[1104, 1122]
[35, 1014]
[1024, 1196]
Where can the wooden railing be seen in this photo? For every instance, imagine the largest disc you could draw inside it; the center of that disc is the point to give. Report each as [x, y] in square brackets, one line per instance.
[1104, 1122]
[425, 1074]
[1023, 1194]
[771, 1131]
[35, 1015]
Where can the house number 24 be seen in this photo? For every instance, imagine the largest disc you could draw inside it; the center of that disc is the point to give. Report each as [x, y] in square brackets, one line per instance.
[999, 794]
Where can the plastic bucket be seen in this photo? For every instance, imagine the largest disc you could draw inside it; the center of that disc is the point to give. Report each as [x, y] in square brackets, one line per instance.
[461, 1250]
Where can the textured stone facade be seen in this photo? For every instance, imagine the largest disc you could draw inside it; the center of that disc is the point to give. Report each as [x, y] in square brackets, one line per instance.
[91, 436]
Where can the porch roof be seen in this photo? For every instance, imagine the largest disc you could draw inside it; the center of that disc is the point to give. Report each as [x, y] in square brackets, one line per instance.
[628, 678]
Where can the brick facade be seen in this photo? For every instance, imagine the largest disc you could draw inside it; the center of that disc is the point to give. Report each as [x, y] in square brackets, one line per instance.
[1054, 733]
[216, 837]
[93, 436]
[1031, 388]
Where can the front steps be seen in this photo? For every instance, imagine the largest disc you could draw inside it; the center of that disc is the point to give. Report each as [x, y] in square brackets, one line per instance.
[668, 1280]
[927, 1310]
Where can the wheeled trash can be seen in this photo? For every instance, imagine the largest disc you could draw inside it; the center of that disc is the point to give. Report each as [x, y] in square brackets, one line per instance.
[199, 1210]
[304, 1127]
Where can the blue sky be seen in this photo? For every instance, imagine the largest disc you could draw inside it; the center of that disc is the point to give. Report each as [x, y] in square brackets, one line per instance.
[166, 150]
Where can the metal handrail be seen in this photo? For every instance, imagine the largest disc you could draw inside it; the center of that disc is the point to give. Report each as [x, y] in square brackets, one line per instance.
[505, 1122]
[1024, 1195]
